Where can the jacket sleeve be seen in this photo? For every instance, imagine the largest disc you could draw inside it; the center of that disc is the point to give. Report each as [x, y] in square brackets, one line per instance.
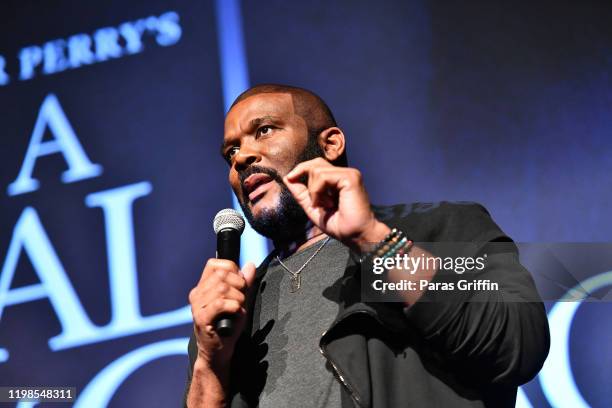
[498, 336]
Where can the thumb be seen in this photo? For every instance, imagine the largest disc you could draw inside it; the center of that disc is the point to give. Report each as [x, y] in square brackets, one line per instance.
[300, 192]
[248, 273]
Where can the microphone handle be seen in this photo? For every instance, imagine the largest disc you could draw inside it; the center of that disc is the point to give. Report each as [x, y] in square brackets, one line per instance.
[228, 247]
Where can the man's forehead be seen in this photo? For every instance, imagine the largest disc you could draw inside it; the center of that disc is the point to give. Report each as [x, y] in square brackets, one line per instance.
[260, 105]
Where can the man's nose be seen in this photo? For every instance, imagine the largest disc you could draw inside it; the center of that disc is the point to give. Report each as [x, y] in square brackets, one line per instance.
[246, 157]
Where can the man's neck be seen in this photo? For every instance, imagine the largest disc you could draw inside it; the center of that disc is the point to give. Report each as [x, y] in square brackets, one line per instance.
[308, 237]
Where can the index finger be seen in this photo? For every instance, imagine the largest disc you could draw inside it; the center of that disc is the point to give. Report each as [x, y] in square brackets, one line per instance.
[215, 264]
[304, 167]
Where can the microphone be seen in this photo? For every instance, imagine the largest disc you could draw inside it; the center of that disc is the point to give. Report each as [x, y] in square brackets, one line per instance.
[228, 226]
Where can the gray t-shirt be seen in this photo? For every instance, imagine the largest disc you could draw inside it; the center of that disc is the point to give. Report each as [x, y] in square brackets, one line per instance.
[290, 326]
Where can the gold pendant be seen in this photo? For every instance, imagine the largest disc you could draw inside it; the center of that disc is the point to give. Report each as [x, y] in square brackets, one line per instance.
[296, 282]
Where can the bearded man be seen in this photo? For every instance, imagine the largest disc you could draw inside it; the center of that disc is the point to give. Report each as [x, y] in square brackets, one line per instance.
[304, 334]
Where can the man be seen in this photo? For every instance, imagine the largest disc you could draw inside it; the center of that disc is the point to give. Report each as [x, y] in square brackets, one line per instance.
[304, 335]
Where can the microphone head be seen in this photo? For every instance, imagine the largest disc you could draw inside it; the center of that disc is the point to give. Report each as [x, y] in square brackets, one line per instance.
[228, 219]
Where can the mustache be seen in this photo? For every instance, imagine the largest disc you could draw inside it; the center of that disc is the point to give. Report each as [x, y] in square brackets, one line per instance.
[253, 169]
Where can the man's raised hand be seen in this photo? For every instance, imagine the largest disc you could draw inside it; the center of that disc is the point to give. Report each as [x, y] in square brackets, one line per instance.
[335, 200]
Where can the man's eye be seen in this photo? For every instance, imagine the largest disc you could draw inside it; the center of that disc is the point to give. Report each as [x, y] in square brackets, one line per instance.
[231, 152]
[264, 130]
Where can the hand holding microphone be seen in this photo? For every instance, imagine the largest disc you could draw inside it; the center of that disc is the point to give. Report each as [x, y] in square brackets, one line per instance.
[218, 300]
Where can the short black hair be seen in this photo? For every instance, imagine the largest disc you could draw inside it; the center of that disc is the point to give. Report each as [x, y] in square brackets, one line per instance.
[310, 106]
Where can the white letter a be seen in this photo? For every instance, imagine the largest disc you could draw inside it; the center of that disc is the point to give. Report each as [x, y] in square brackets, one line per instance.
[65, 141]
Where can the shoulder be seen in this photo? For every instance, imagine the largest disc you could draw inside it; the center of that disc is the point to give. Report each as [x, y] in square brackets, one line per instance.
[442, 221]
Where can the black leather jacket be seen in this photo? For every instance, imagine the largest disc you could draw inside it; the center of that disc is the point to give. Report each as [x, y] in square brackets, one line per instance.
[450, 349]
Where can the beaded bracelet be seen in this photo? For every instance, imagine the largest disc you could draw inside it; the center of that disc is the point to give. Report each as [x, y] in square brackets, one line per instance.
[394, 243]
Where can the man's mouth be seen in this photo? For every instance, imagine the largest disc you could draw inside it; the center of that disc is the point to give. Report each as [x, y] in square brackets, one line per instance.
[256, 185]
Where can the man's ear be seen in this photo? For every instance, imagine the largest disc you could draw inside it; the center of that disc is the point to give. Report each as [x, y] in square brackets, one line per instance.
[332, 143]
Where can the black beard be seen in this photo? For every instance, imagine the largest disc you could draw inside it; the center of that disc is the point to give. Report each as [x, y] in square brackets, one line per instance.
[288, 220]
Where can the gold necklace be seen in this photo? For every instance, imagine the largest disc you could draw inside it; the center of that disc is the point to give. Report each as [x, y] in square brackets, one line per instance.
[296, 280]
